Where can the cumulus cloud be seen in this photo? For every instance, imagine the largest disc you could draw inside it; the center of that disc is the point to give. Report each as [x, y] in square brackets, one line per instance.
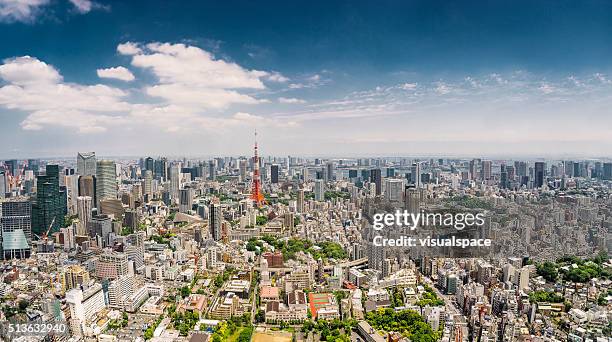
[28, 70]
[290, 100]
[119, 73]
[38, 88]
[194, 87]
[129, 48]
[20, 10]
[190, 76]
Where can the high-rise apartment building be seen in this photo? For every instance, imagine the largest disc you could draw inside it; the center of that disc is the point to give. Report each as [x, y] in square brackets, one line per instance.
[300, 201]
[319, 190]
[148, 183]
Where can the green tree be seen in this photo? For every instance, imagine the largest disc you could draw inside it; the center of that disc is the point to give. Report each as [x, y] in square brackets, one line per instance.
[548, 271]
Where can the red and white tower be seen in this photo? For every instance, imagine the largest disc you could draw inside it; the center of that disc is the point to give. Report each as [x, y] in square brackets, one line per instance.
[256, 194]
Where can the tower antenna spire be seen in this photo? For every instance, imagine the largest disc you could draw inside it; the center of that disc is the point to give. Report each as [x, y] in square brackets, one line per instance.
[256, 194]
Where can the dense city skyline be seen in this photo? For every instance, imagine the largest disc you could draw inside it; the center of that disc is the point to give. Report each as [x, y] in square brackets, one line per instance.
[412, 79]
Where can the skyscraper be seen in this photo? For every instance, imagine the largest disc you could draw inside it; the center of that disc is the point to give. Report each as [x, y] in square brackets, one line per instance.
[485, 173]
[148, 182]
[50, 203]
[330, 171]
[415, 174]
[86, 163]
[412, 200]
[503, 177]
[214, 221]
[376, 178]
[607, 171]
[12, 166]
[3, 182]
[84, 206]
[174, 182]
[33, 165]
[394, 189]
[300, 201]
[16, 228]
[185, 200]
[540, 173]
[212, 172]
[106, 181]
[72, 192]
[568, 166]
[319, 190]
[149, 164]
[274, 173]
[242, 169]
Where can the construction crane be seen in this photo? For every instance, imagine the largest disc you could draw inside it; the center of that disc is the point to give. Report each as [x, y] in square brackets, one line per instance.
[44, 239]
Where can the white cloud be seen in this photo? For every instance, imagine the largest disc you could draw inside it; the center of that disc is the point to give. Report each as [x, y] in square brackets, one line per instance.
[290, 100]
[83, 6]
[179, 63]
[119, 73]
[190, 76]
[20, 10]
[195, 89]
[128, 48]
[310, 82]
[86, 6]
[37, 88]
[28, 70]
[184, 95]
[276, 77]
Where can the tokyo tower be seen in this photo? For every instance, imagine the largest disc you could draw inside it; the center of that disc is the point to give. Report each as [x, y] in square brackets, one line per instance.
[256, 194]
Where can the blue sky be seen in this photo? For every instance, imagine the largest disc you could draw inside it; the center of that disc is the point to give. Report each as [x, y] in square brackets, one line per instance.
[315, 78]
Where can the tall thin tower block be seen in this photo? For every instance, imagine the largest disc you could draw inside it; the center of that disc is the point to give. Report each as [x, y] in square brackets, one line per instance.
[256, 194]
